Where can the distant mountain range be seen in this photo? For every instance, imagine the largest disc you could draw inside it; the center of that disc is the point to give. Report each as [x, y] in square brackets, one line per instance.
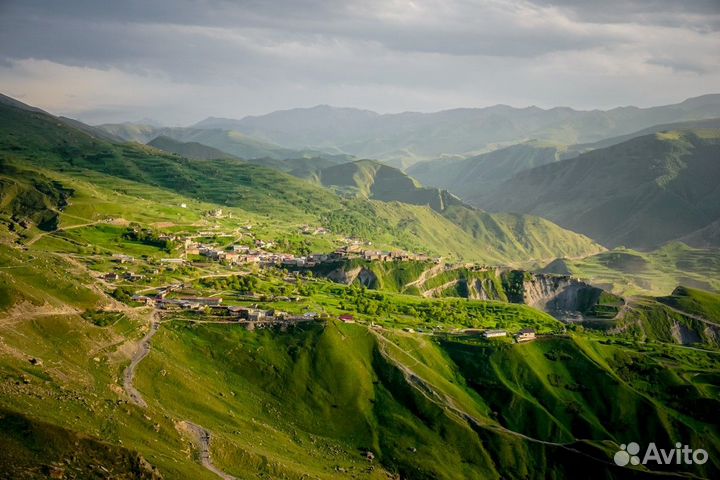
[233, 143]
[194, 150]
[467, 177]
[303, 167]
[640, 193]
[619, 190]
[406, 138]
[470, 177]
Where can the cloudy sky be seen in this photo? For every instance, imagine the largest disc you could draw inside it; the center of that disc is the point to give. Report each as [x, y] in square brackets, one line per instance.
[178, 61]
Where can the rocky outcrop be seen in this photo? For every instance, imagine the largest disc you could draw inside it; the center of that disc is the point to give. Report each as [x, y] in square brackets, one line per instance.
[484, 289]
[363, 275]
[437, 291]
[541, 288]
[560, 295]
[427, 274]
[683, 335]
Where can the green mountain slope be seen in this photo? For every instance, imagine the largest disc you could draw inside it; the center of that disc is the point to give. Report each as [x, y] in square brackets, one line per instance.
[708, 124]
[475, 176]
[658, 272]
[624, 194]
[193, 150]
[513, 235]
[313, 400]
[35, 139]
[375, 180]
[467, 177]
[296, 399]
[687, 316]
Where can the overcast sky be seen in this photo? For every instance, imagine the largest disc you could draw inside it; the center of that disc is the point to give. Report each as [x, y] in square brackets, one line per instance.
[179, 61]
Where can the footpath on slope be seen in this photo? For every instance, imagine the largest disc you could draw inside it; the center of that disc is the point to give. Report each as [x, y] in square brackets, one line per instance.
[449, 405]
[142, 352]
[200, 435]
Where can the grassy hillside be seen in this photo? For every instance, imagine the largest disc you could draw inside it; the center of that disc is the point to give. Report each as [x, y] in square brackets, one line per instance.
[309, 399]
[523, 236]
[630, 272]
[374, 180]
[687, 316]
[624, 194]
[29, 198]
[313, 400]
[35, 449]
[515, 236]
[193, 150]
[708, 124]
[696, 302]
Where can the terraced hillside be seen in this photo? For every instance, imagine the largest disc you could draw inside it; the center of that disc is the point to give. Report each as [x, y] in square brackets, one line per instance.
[558, 294]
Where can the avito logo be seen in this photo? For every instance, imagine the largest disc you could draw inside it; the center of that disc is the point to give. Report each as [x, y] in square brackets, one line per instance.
[680, 455]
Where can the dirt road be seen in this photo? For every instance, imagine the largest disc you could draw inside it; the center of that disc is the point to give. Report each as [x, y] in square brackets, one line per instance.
[202, 438]
[138, 356]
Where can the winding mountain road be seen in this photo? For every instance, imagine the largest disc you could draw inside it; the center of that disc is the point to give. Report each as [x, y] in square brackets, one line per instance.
[69, 227]
[200, 435]
[142, 352]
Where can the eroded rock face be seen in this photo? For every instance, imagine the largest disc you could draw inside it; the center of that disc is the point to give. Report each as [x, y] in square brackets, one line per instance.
[560, 295]
[340, 275]
[363, 275]
[541, 288]
[683, 335]
[367, 278]
[483, 289]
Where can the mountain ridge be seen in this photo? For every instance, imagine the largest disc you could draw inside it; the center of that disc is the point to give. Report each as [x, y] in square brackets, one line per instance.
[623, 194]
[412, 136]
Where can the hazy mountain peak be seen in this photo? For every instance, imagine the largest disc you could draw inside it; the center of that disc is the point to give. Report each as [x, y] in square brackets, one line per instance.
[408, 137]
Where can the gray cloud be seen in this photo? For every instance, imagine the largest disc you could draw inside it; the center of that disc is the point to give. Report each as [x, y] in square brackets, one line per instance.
[185, 59]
